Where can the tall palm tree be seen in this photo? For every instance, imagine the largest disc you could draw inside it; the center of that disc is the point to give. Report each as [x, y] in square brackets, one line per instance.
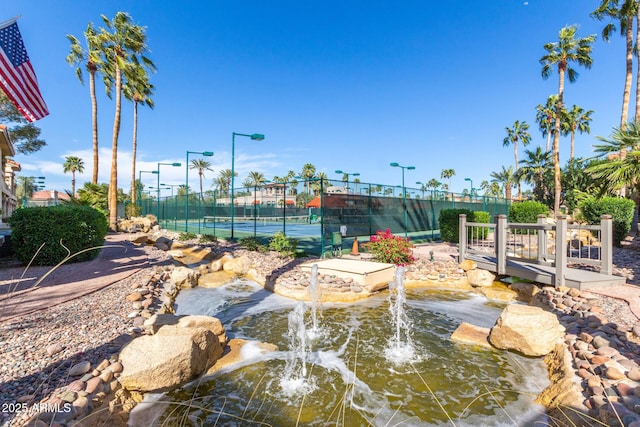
[138, 90]
[321, 181]
[535, 167]
[561, 54]
[91, 56]
[577, 119]
[505, 178]
[624, 12]
[519, 133]
[224, 180]
[73, 164]
[200, 165]
[447, 174]
[308, 172]
[546, 118]
[123, 44]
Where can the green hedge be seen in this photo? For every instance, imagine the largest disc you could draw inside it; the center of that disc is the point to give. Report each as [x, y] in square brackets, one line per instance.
[449, 220]
[527, 212]
[76, 227]
[620, 209]
[482, 217]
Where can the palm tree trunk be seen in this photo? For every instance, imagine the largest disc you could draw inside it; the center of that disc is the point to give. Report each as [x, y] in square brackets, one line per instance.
[113, 180]
[73, 183]
[573, 139]
[629, 72]
[549, 140]
[94, 125]
[134, 150]
[200, 173]
[556, 144]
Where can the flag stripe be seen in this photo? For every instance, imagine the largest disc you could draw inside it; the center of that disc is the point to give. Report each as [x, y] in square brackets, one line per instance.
[17, 77]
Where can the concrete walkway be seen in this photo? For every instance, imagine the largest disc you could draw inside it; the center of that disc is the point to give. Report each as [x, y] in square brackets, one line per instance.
[118, 260]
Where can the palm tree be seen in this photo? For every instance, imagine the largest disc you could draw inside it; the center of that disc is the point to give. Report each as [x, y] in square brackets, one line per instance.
[201, 165]
[308, 172]
[546, 117]
[73, 164]
[224, 180]
[93, 63]
[561, 54]
[447, 174]
[624, 12]
[138, 90]
[122, 44]
[577, 119]
[619, 171]
[535, 167]
[321, 181]
[505, 178]
[519, 133]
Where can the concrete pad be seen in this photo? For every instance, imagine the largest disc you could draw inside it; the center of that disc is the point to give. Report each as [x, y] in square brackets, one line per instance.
[364, 273]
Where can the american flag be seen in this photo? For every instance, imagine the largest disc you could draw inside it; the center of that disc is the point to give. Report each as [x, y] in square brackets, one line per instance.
[17, 78]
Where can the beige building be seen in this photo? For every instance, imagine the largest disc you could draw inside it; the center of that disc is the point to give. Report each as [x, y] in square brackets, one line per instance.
[8, 199]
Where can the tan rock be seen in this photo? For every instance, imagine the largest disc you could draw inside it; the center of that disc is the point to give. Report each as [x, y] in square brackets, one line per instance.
[238, 350]
[169, 358]
[184, 277]
[218, 264]
[215, 279]
[479, 277]
[526, 329]
[470, 334]
[239, 265]
[468, 265]
[499, 293]
[526, 291]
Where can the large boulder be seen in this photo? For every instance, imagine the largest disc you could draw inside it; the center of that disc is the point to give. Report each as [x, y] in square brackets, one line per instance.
[239, 265]
[179, 351]
[526, 329]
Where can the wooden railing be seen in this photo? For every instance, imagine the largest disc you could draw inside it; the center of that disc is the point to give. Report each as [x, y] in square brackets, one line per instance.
[558, 244]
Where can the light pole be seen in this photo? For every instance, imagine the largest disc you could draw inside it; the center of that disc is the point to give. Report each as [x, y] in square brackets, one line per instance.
[470, 189]
[404, 192]
[140, 184]
[421, 187]
[348, 175]
[158, 186]
[253, 136]
[186, 186]
[175, 204]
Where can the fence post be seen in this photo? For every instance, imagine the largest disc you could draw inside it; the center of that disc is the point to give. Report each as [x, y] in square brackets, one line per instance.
[462, 232]
[501, 244]
[606, 244]
[561, 249]
[542, 239]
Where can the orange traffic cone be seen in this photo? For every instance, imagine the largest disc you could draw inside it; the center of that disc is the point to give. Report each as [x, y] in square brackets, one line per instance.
[354, 248]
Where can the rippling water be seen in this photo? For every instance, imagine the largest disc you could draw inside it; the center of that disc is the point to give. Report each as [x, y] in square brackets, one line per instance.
[353, 384]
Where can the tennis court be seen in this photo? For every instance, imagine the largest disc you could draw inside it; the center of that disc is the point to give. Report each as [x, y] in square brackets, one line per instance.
[294, 226]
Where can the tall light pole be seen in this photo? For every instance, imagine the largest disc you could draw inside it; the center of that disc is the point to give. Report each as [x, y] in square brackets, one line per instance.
[404, 192]
[422, 187]
[175, 204]
[186, 186]
[253, 136]
[470, 189]
[140, 184]
[158, 187]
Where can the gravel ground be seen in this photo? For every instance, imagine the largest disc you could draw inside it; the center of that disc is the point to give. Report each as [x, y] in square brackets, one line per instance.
[94, 327]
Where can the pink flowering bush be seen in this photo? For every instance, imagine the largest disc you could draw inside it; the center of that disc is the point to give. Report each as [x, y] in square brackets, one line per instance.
[389, 248]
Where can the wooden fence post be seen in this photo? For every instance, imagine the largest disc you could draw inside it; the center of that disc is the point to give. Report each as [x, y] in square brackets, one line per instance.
[561, 249]
[606, 244]
[542, 239]
[462, 239]
[501, 244]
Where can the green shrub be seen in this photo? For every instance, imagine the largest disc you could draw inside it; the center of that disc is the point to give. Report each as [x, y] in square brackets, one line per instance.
[527, 212]
[389, 248]
[206, 238]
[187, 236]
[253, 244]
[484, 218]
[620, 209]
[76, 227]
[281, 243]
[449, 220]
[132, 210]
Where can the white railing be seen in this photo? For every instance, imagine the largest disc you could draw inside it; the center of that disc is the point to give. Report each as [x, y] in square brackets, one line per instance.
[558, 245]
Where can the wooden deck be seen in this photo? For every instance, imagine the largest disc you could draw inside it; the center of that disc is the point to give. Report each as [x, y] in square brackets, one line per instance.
[574, 278]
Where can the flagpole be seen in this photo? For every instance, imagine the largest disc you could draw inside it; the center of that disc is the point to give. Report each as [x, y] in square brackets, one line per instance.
[9, 21]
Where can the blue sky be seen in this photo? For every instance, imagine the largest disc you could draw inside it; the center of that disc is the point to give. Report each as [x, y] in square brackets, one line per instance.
[349, 85]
